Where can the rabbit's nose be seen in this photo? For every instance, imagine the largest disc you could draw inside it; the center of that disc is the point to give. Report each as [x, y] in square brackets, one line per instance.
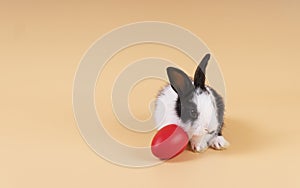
[209, 132]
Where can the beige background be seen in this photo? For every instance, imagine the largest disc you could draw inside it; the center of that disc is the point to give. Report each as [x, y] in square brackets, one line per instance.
[41, 43]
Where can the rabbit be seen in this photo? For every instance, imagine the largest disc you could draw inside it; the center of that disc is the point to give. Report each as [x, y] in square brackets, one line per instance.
[197, 108]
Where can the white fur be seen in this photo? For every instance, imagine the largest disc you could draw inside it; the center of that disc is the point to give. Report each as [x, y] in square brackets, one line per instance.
[206, 122]
[165, 113]
[207, 119]
[199, 143]
[218, 142]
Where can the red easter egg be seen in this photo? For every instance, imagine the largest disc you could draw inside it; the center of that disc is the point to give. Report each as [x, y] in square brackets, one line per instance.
[169, 141]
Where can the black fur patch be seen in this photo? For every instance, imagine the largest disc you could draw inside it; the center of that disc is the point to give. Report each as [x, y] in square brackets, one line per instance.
[199, 80]
[199, 76]
[178, 107]
[184, 108]
[220, 110]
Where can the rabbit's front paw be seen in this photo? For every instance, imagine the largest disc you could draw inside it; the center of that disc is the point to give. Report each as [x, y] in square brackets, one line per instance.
[198, 144]
[219, 143]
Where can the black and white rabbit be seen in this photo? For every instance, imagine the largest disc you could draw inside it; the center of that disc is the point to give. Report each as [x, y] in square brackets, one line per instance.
[194, 106]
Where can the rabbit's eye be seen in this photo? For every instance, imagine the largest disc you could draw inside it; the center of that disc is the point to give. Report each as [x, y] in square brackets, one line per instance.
[194, 113]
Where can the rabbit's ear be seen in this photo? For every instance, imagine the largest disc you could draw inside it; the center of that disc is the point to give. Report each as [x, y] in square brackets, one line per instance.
[199, 77]
[180, 82]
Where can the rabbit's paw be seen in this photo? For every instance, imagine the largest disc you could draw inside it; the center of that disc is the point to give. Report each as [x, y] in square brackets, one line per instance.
[219, 143]
[198, 144]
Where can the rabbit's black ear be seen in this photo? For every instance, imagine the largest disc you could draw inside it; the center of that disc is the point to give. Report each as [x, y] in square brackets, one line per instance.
[180, 82]
[199, 77]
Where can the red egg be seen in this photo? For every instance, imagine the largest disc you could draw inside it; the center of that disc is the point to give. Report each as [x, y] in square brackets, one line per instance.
[169, 141]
